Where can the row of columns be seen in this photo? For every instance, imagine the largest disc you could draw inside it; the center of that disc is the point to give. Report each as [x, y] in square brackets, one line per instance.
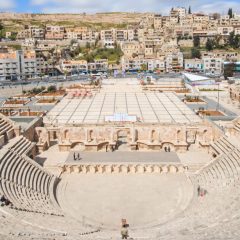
[113, 168]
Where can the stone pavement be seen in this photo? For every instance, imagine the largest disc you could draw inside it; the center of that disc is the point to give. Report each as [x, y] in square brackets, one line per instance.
[144, 200]
[124, 157]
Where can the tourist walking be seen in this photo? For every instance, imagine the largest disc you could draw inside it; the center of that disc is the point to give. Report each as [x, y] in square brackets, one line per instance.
[198, 190]
[124, 230]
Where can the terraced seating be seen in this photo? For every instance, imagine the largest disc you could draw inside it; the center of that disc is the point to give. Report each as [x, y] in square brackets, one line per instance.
[30, 225]
[6, 130]
[214, 216]
[221, 146]
[222, 171]
[237, 126]
[25, 183]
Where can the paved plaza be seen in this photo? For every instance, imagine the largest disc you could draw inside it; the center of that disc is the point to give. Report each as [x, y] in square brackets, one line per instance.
[123, 157]
[147, 107]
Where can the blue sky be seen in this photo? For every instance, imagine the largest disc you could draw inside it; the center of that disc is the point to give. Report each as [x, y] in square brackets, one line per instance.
[91, 6]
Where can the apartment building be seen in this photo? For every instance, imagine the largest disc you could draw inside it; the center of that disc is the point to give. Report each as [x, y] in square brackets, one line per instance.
[183, 30]
[212, 65]
[74, 65]
[37, 33]
[110, 36]
[200, 18]
[26, 33]
[81, 33]
[54, 33]
[178, 12]
[100, 65]
[131, 48]
[157, 21]
[156, 64]
[224, 20]
[225, 55]
[193, 65]
[132, 63]
[29, 43]
[235, 22]
[174, 62]
[225, 31]
[31, 32]
[17, 64]
[140, 62]
[237, 31]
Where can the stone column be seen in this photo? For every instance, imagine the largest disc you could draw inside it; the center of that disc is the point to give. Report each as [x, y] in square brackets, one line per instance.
[86, 135]
[150, 136]
[133, 135]
[48, 138]
[97, 135]
[112, 135]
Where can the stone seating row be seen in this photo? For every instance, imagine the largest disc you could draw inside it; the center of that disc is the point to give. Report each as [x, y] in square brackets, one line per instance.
[30, 225]
[223, 171]
[215, 215]
[237, 126]
[14, 228]
[207, 216]
[6, 130]
[221, 146]
[23, 182]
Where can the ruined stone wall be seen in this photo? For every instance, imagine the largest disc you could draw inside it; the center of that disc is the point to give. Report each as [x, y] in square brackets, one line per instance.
[180, 137]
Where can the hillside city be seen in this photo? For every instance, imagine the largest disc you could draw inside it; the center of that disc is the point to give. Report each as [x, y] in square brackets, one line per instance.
[183, 40]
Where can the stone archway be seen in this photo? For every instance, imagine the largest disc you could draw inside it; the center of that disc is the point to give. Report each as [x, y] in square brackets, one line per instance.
[78, 146]
[168, 147]
[123, 138]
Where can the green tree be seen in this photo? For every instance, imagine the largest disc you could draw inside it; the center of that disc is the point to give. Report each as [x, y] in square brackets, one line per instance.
[189, 10]
[216, 16]
[234, 40]
[88, 45]
[73, 41]
[196, 41]
[195, 53]
[229, 70]
[237, 41]
[52, 88]
[231, 39]
[144, 67]
[230, 12]
[1, 30]
[209, 44]
[13, 36]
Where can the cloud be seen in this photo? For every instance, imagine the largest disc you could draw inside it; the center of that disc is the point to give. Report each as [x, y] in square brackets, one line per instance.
[162, 6]
[219, 6]
[7, 4]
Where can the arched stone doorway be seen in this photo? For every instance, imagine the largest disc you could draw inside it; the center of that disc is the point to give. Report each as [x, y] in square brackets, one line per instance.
[123, 139]
[168, 147]
[78, 146]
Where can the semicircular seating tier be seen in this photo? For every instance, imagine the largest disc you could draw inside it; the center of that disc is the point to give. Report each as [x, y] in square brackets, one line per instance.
[24, 182]
[7, 130]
